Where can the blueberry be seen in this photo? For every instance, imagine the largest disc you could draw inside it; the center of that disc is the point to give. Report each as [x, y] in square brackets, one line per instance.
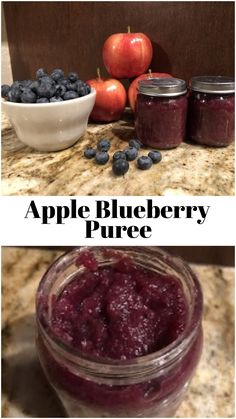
[60, 89]
[26, 83]
[101, 157]
[120, 167]
[88, 88]
[16, 84]
[71, 94]
[155, 155]
[73, 77]
[4, 90]
[47, 80]
[34, 86]
[28, 96]
[135, 144]
[63, 82]
[14, 94]
[144, 162]
[46, 90]
[56, 99]
[71, 86]
[119, 155]
[57, 74]
[83, 90]
[131, 153]
[103, 145]
[42, 100]
[79, 84]
[89, 153]
[40, 73]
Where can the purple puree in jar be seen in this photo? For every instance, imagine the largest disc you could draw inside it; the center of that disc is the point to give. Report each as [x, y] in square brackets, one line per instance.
[160, 113]
[211, 110]
[211, 118]
[120, 311]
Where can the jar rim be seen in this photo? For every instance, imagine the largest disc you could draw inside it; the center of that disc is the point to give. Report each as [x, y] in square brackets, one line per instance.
[127, 369]
[162, 86]
[213, 84]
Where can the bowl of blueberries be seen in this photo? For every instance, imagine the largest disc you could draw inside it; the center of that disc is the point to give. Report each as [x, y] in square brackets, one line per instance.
[50, 113]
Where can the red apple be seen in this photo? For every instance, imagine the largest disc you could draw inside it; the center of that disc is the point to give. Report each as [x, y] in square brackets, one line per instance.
[132, 92]
[110, 99]
[127, 55]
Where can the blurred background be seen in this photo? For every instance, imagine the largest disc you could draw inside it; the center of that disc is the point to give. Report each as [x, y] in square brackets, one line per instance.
[208, 255]
[189, 38]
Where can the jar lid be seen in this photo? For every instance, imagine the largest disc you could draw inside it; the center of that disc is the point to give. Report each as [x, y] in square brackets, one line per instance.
[160, 86]
[213, 84]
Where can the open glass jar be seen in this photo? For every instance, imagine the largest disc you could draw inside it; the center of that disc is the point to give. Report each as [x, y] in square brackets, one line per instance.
[211, 110]
[161, 112]
[152, 385]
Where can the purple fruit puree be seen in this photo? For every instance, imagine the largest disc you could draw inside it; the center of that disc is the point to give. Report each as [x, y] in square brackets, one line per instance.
[120, 311]
[161, 121]
[211, 118]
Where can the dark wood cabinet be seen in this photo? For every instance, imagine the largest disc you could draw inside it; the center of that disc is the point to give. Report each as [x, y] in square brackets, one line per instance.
[189, 38]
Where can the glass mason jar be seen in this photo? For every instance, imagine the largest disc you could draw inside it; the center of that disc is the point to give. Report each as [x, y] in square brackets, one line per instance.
[161, 112]
[148, 386]
[211, 110]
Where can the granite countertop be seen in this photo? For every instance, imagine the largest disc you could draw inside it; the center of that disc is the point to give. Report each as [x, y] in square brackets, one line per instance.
[25, 390]
[187, 170]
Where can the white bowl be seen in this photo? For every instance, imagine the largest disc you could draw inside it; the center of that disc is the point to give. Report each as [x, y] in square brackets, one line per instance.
[50, 126]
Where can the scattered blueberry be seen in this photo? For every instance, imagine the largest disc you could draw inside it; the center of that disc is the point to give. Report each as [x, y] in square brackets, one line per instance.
[144, 162]
[4, 90]
[73, 77]
[103, 145]
[28, 96]
[56, 99]
[101, 157]
[135, 144]
[131, 153]
[42, 100]
[40, 73]
[119, 155]
[57, 74]
[155, 155]
[70, 94]
[89, 153]
[120, 167]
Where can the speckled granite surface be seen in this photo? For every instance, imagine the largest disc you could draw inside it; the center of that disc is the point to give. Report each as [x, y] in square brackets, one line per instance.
[188, 170]
[25, 390]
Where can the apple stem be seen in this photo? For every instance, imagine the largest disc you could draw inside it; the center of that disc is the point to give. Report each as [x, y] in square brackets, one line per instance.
[128, 29]
[98, 73]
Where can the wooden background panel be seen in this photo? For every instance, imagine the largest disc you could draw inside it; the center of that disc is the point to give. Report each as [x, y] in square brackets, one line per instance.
[216, 255]
[189, 38]
[206, 255]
